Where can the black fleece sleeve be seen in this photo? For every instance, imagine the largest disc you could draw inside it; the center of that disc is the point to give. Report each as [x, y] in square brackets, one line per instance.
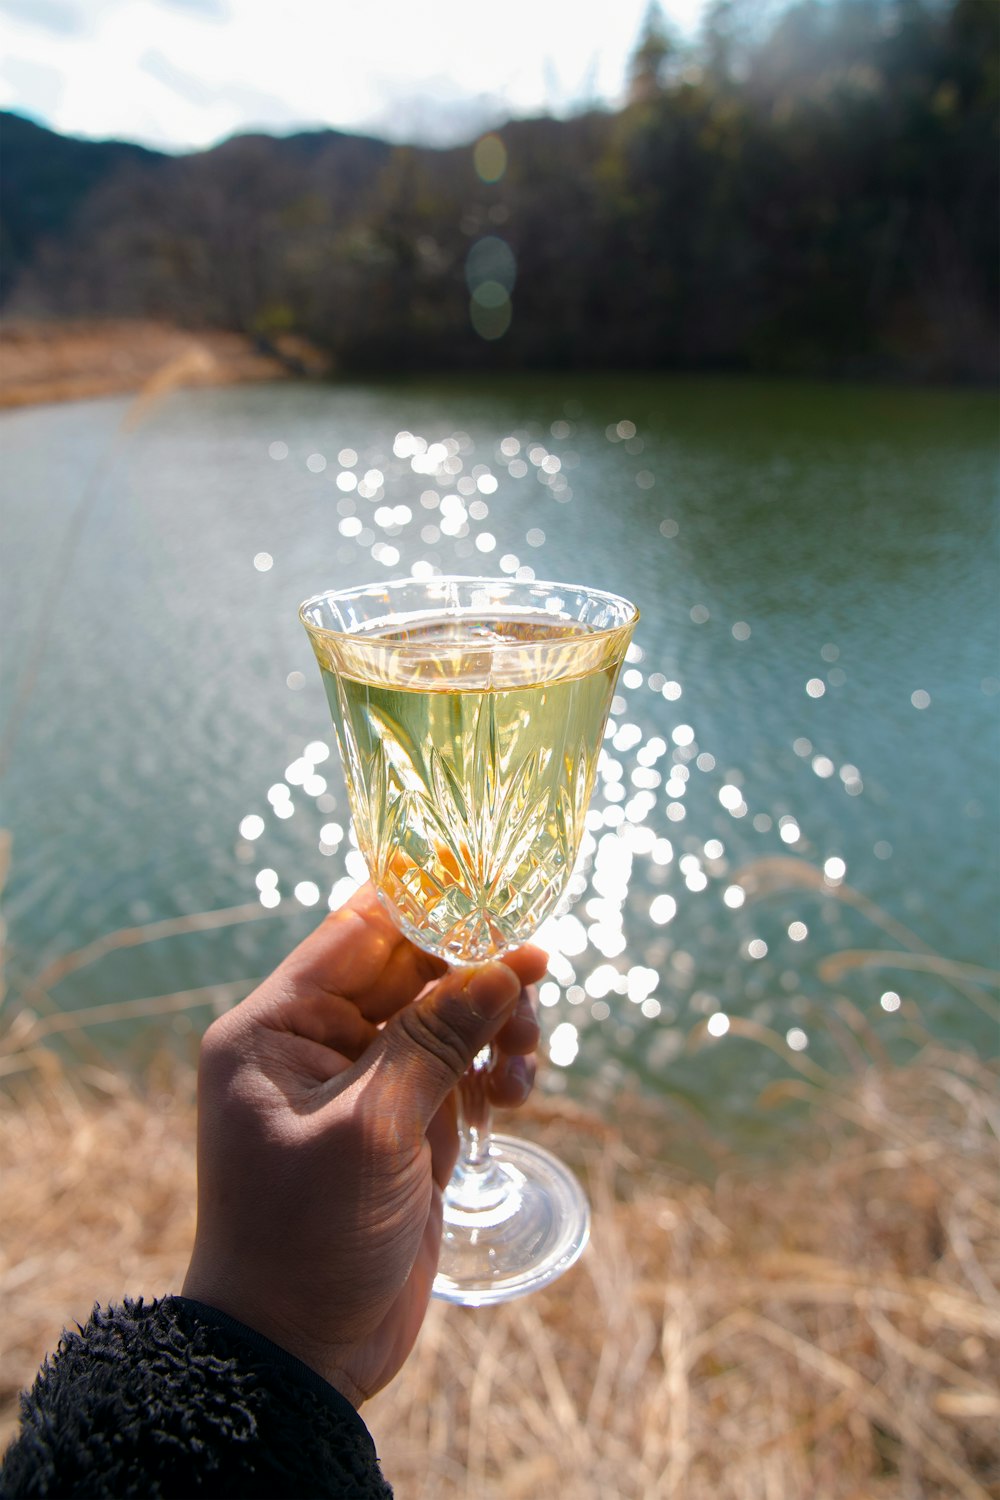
[175, 1399]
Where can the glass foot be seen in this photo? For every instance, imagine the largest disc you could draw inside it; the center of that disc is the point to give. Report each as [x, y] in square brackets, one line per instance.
[511, 1225]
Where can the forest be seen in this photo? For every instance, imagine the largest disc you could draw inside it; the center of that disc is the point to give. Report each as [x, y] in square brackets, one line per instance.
[809, 188]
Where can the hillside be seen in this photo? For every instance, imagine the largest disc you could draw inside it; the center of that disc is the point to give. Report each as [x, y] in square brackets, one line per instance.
[44, 180]
[821, 202]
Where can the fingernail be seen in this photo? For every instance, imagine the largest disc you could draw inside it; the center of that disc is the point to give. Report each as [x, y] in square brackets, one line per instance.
[494, 988]
[527, 1006]
[518, 1072]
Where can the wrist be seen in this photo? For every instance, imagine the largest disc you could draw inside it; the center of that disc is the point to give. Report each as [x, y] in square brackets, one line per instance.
[266, 1322]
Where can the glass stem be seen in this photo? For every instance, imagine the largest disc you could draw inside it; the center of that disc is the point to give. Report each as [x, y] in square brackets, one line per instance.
[477, 1183]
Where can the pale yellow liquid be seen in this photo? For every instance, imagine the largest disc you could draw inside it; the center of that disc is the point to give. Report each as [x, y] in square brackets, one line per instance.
[470, 747]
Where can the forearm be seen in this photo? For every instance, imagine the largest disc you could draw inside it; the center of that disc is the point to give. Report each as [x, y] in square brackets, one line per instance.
[175, 1399]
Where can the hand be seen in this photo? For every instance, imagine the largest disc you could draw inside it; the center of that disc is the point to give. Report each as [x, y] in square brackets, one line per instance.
[327, 1132]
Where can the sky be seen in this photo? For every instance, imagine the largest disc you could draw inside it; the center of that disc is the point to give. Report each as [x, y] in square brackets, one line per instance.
[184, 74]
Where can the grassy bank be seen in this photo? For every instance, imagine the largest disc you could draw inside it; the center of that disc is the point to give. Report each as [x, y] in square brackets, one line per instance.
[826, 1327]
[69, 361]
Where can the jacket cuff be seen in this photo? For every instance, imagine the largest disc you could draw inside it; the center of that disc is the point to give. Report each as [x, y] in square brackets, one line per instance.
[265, 1349]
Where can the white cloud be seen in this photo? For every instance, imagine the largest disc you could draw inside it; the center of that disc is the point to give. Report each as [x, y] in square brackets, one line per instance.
[184, 73]
[66, 16]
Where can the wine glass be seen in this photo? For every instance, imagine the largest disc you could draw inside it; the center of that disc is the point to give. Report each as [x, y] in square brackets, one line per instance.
[470, 714]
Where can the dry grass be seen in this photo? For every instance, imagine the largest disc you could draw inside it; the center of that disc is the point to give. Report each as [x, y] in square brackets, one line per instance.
[828, 1327]
[41, 362]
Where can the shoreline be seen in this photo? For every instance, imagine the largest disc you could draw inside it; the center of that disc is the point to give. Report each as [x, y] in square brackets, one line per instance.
[43, 363]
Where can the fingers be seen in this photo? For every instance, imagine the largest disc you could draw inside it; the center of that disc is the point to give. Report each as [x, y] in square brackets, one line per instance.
[357, 970]
[423, 1051]
[352, 972]
[511, 1081]
[521, 1033]
[358, 952]
[528, 962]
[512, 1077]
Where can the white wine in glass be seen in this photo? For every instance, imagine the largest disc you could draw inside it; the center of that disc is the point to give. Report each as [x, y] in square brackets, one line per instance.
[470, 714]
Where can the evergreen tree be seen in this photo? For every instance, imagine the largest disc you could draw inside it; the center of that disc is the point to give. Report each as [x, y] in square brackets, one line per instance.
[648, 63]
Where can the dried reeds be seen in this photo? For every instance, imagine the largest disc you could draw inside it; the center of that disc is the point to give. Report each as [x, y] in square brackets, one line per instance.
[827, 1326]
[70, 361]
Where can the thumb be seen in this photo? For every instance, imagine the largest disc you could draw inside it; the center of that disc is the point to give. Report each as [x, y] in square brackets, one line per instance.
[427, 1046]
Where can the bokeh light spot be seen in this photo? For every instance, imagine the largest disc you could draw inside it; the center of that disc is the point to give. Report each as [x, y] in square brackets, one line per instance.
[564, 1044]
[662, 910]
[490, 322]
[489, 157]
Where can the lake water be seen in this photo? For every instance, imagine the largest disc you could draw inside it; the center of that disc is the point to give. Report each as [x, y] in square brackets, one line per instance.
[803, 758]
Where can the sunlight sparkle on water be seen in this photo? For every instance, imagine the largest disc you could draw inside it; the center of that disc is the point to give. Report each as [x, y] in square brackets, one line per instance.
[564, 1044]
[614, 953]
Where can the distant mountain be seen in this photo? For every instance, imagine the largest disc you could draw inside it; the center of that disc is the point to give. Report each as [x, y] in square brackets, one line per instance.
[44, 178]
[822, 201]
[48, 179]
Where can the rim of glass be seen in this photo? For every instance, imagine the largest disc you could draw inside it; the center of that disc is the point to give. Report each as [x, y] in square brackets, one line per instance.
[630, 615]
